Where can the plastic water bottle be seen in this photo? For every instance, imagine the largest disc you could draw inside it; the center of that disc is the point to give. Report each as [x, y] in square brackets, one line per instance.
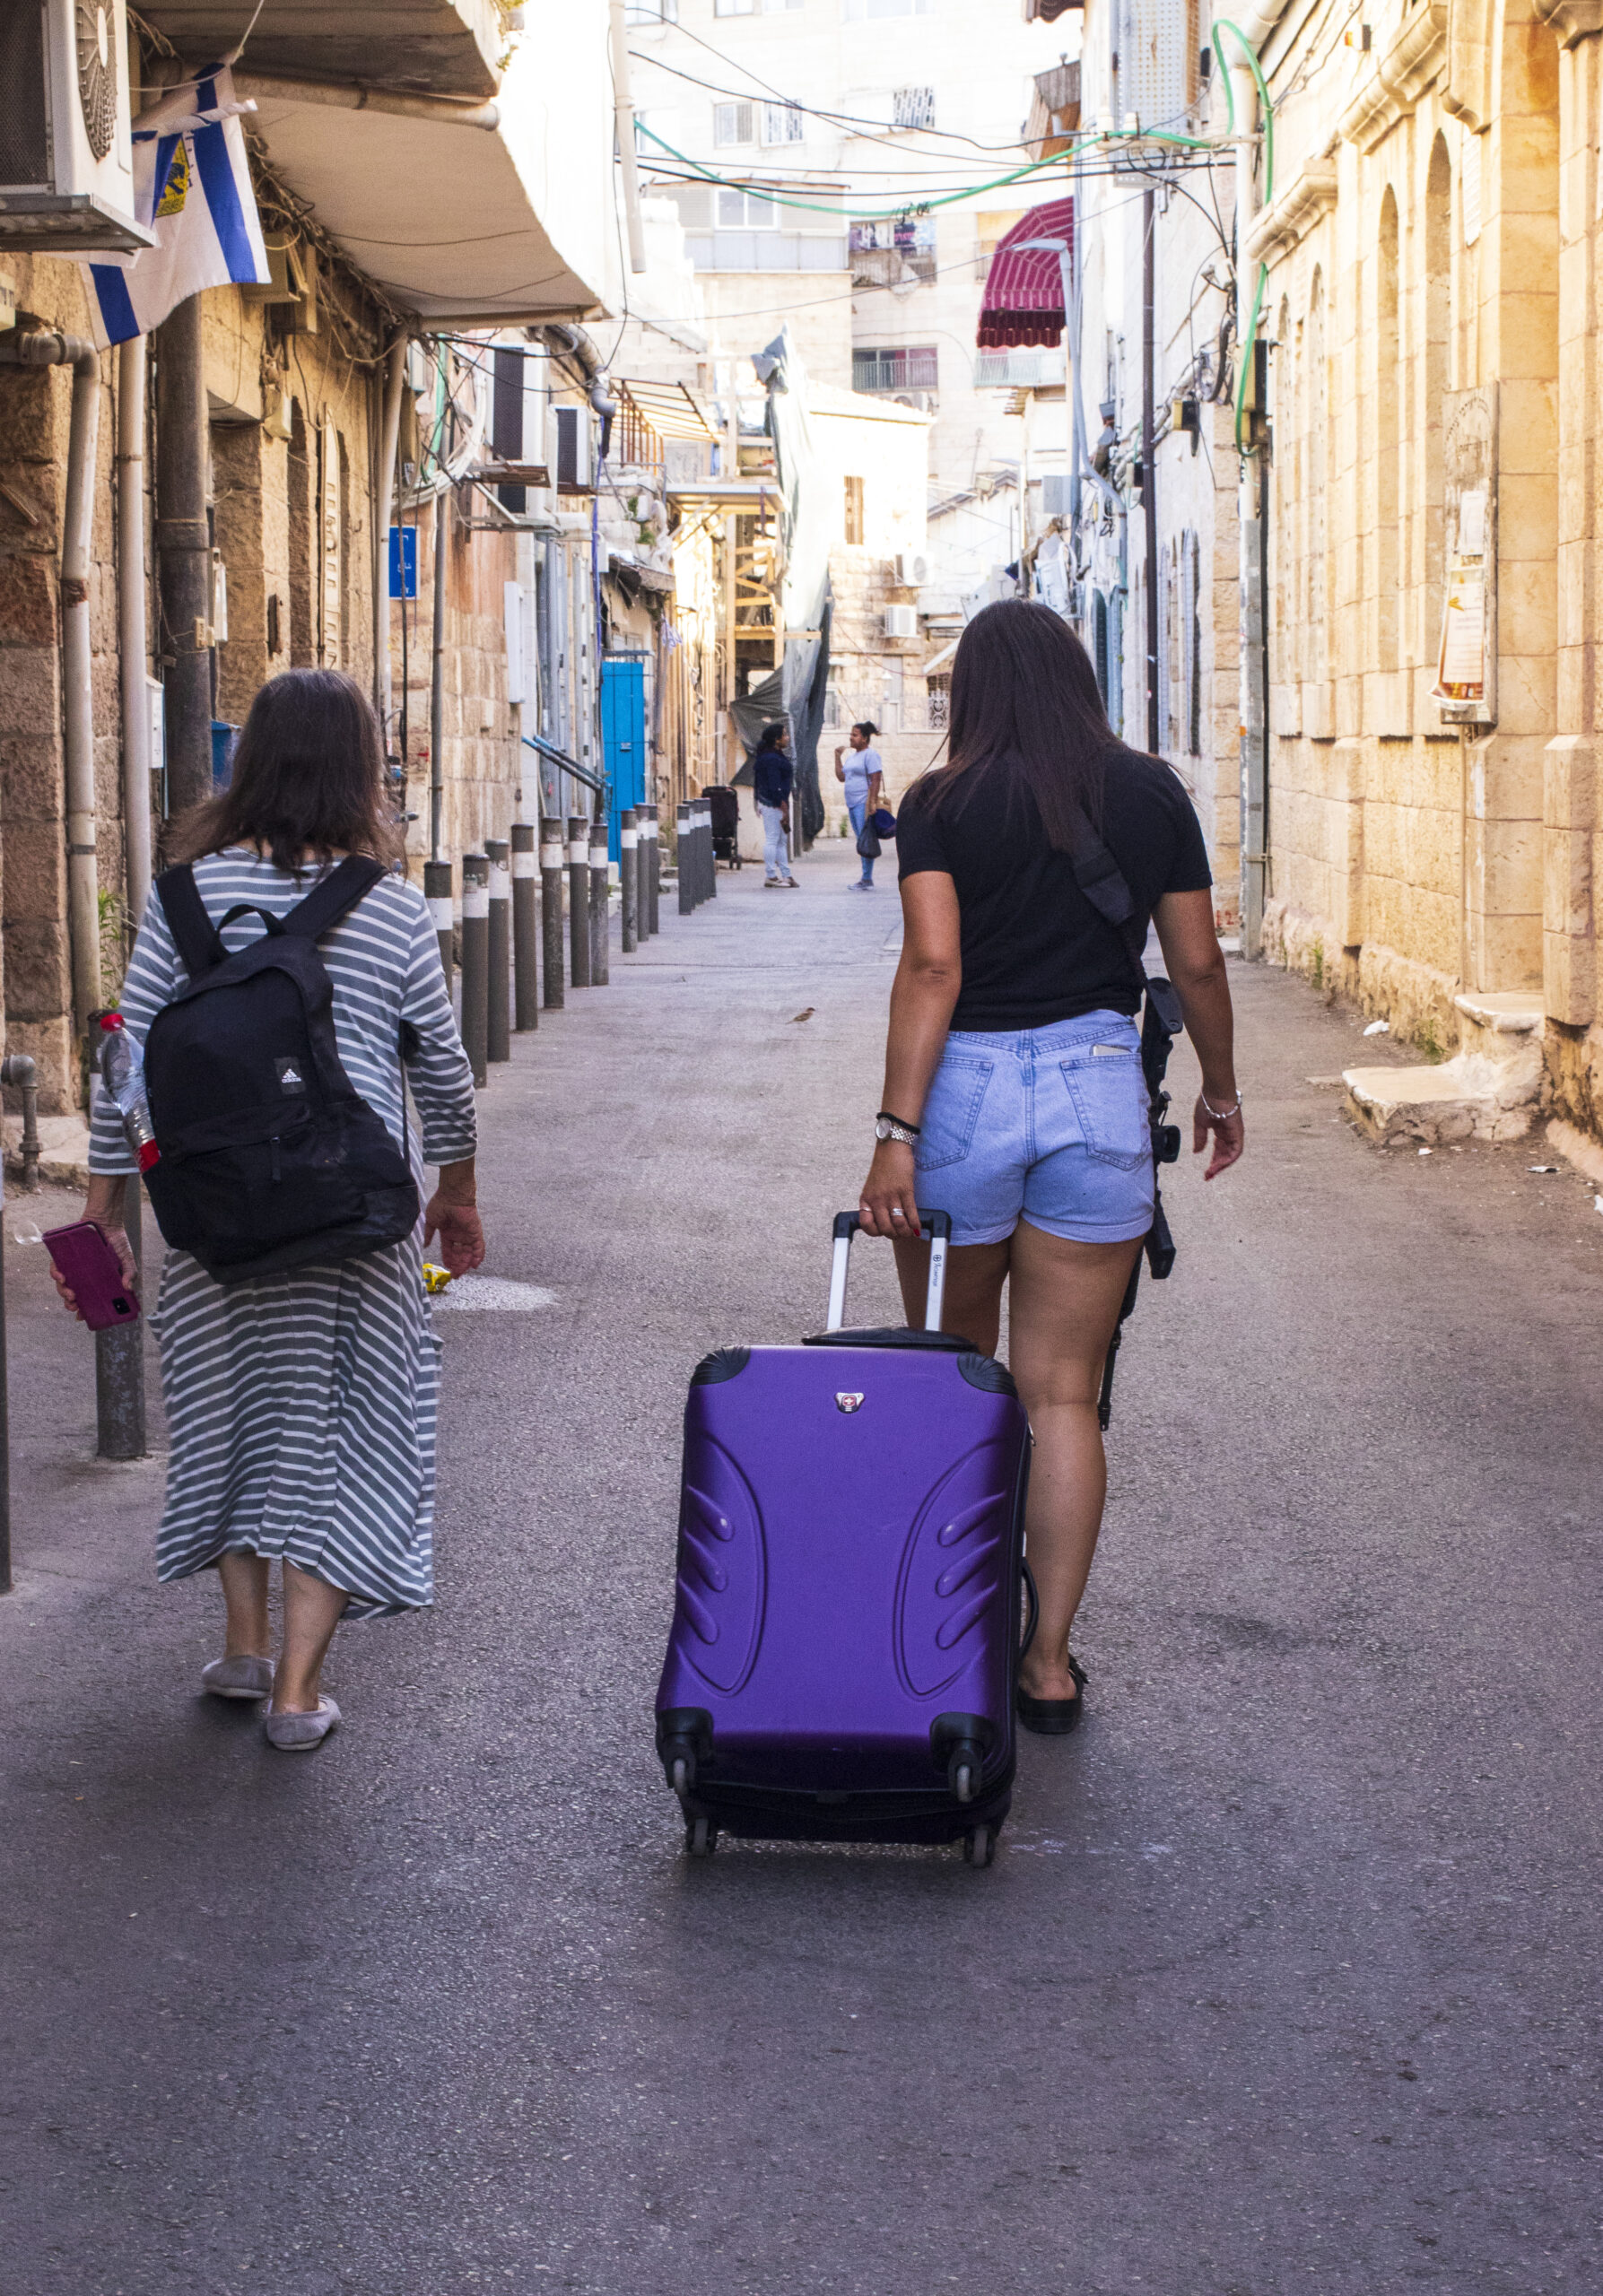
[121, 1072]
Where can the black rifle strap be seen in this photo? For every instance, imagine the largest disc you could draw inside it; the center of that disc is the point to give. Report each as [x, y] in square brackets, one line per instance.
[199, 942]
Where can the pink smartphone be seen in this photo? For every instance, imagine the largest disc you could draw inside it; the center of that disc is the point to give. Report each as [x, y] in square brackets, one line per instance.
[92, 1272]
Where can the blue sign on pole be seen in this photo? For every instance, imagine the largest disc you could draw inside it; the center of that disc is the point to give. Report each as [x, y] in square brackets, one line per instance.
[403, 562]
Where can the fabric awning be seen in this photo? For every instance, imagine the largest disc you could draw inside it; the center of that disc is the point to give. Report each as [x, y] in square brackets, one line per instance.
[1023, 289]
[672, 411]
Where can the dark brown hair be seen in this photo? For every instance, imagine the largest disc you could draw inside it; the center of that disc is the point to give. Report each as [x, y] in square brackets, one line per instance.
[1022, 688]
[308, 778]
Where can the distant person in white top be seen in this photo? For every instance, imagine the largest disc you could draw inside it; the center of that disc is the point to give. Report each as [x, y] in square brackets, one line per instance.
[863, 777]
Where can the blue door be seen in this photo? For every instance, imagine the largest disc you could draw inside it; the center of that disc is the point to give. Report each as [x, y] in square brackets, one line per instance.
[623, 737]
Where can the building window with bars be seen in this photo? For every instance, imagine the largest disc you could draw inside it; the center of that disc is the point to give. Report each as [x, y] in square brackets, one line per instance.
[854, 509]
[937, 705]
[782, 123]
[651, 12]
[734, 123]
[901, 367]
[912, 108]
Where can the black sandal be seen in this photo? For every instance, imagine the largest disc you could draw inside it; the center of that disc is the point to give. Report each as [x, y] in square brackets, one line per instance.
[1053, 1717]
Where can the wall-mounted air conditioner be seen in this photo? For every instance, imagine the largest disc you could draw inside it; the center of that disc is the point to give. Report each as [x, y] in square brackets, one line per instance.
[66, 174]
[571, 461]
[911, 570]
[901, 621]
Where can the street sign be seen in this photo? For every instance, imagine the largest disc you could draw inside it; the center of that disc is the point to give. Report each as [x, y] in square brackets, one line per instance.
[403, 562]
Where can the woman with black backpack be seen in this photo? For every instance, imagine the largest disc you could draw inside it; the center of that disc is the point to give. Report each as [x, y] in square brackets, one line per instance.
[299, 1367]
[1014, 1095]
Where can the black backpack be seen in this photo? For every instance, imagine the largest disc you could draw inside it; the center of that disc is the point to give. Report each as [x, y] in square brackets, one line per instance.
[269, 1157]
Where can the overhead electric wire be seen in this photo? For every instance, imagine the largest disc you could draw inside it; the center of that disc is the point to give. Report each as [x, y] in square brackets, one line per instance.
[877, 131]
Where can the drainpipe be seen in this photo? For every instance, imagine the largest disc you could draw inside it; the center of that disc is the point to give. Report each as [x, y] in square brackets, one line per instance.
[45, 348]
[623, 114]
[442, 503]
[395, 376]
[132, 636]
[1245, 34]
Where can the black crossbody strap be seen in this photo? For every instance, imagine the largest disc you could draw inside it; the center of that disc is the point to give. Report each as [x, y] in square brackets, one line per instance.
[1104, 885]
[339, 891]
[199, 942]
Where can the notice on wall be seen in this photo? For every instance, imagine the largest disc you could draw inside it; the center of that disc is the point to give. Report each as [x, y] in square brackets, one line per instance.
[1466, 687]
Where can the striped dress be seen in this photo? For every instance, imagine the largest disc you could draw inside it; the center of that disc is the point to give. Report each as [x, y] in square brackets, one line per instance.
[301, 1406]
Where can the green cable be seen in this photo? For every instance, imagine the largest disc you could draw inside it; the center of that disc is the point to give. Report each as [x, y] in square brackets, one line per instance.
[1249, 336]
[945, 199]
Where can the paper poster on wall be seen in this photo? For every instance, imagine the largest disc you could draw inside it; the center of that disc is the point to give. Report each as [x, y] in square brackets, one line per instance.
[1466, 687]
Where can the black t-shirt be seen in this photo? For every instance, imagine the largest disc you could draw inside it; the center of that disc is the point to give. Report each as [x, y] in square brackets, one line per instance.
[1034, 951]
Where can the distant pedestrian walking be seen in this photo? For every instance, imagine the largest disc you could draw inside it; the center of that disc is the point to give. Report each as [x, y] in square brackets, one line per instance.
[1014, 1097]
[301, 1404]
[773, 779]
[863, 774]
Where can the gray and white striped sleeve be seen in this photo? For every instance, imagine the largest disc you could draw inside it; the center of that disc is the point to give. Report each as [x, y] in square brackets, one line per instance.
[436, 1067]
[155, 977]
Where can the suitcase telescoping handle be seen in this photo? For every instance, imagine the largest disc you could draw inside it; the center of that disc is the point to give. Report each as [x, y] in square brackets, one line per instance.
[935, 1228]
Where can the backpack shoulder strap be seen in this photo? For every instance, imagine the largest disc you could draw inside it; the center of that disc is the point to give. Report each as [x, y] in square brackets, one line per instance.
[339, 893]
[199, 942]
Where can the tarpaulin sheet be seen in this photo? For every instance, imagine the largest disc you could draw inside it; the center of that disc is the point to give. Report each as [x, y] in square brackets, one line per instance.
[807, 510]
[1023, 302]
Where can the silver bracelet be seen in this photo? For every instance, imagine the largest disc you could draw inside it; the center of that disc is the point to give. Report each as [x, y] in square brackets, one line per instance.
[1220, 1116]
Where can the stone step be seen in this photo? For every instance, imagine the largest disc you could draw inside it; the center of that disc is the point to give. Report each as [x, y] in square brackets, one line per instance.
[1466, 1098]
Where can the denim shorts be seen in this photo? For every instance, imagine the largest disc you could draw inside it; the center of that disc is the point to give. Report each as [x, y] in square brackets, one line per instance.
[1048, 1123]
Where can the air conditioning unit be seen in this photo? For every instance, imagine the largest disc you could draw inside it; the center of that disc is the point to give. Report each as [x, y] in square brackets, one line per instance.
[901, 621]
[911, 572]
[1056, 494]
[66, 170]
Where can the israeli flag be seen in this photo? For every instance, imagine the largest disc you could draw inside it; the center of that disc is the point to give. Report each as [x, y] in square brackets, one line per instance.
[192, 187]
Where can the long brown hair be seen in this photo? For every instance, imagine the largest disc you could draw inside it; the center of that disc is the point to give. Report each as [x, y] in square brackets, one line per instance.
[1022, 688]
[308, 778]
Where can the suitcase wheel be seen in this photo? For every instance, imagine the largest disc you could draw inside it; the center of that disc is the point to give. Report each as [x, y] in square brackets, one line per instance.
[701, 1837]
[679, 1776]
[980, 1845]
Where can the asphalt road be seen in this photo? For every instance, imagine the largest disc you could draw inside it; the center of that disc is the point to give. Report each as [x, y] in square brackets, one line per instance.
[1286, 1977]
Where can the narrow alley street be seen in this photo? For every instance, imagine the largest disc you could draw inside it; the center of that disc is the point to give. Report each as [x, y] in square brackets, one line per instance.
[1286, 1974]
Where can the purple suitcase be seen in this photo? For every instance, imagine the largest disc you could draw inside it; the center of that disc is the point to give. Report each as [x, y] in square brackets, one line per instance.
[844, 1650]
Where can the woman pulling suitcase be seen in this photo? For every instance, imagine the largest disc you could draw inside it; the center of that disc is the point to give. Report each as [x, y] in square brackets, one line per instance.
[1014, 1099]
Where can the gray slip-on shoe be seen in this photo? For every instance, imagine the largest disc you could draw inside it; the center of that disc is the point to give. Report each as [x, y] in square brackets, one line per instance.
[242, 1677]
[297, 1733]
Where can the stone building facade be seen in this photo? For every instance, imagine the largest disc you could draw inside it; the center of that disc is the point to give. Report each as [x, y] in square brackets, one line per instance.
[1432, 398]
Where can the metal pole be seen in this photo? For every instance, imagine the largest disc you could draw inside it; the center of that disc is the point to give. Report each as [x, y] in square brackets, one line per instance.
[524, 928]
[389, 439]
[578, 901]
[629, 878]
[436, 683]
[682, 815]
[184, 552]
[437, 892]
[600, 889]
[6, 1581]
[654, 872]
[709, 858]
[623, 119]
[132, 636]
[1149, 476]
[498, 1035]
[551, 908]
[120, 1364]
[475, 961]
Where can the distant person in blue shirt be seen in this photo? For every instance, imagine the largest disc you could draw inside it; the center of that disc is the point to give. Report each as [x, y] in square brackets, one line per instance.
[773, 777]
[863, 777]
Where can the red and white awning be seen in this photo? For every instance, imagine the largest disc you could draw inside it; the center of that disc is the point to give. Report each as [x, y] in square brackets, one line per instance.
[1023, 289]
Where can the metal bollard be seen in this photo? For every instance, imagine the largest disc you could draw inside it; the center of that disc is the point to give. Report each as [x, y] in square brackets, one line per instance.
[600, 934]
[551, 908]
[475, 961]
[654, 872]
[119, 1362]
[711, 855]
[649, 870]
[437, 892]
[682, 858]
[498, 1029]
[628, 877]
[525, 992]
[578, 901]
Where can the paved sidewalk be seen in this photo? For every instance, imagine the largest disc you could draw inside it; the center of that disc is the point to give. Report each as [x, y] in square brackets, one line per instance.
[1286, 1976]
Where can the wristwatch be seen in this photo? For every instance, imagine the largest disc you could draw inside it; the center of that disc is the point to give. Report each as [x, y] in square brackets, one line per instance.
[890, 1127]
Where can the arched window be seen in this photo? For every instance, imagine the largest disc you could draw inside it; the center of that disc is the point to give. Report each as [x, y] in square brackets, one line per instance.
[1438, 378]
[1388, 434]
[1318, 401]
